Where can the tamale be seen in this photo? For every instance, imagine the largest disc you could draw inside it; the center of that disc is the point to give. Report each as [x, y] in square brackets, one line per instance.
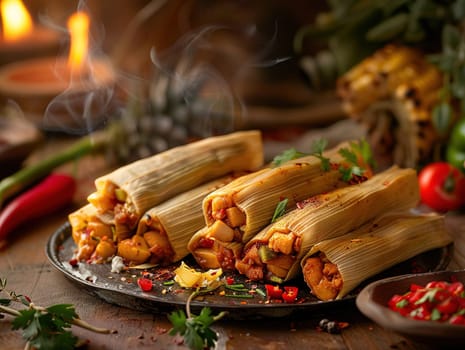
[334, 267]
[126, 193]
[94, 239]
[275, 252]
[167, 227]
[237, 211]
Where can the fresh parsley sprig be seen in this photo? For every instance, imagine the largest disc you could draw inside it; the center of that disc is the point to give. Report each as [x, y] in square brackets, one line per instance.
[287, 155]
[195, 329]
[43, 328]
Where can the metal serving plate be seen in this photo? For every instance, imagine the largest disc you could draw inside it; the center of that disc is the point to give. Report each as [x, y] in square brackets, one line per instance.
[122, 289]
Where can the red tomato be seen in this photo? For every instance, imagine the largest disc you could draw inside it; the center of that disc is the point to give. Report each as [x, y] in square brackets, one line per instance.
[442, 186]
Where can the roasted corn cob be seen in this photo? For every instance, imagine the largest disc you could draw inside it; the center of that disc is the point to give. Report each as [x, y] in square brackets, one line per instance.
[392, 93]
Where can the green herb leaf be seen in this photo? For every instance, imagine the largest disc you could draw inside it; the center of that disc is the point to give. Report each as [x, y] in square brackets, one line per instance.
[65, 312]
[44, 328]
[178, 320]
[401, 304]
[280, 210]
[318, 147]
[359, 152]
[195, 330]
[435, 315]
[285, 156]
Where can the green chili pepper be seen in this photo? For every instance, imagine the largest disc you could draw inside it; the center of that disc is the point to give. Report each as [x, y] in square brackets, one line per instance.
[455, 152]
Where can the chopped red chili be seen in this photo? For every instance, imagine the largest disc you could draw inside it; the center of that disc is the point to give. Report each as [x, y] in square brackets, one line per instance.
[436, 301]
[145, 284]
[290, 294]
[273, 291]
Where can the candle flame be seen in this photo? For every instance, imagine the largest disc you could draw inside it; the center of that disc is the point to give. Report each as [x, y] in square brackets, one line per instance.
[16, 20]
[78, 26]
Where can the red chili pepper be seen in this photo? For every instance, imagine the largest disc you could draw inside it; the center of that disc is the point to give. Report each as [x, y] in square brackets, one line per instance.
[52, 193]
[229, 280]
[273, 292]
[145, 284]
[290, 294]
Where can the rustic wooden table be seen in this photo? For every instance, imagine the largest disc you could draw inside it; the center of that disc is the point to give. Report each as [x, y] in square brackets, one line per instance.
[24, 263]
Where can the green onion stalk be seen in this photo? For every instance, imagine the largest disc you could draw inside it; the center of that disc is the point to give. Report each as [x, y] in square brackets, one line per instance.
[17, 182]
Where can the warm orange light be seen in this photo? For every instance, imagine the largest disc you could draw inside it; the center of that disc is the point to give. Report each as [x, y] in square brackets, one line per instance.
[78, 26]
[16, 20]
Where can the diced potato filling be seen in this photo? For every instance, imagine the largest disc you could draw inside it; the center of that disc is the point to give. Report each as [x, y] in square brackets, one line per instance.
[207, 258]
[99, 229]
[134, 249]
[280, 265]
[323, 277]
[235, 217]
[282, 242]
[104, 250]
[219, 206]
[159, 246]
[219, 230]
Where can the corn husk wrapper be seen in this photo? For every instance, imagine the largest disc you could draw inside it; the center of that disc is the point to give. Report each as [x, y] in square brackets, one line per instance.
[258, 194]
[338, 212]
[150, 181]
[387, 241]
[180, 217]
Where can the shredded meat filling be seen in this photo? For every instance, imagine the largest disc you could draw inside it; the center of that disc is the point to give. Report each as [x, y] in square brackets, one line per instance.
[323, 277]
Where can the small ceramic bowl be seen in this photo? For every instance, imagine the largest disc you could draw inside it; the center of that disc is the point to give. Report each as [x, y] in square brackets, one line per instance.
[373, 299]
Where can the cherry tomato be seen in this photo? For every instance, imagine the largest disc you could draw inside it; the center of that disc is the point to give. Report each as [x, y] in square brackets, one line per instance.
[442, 186]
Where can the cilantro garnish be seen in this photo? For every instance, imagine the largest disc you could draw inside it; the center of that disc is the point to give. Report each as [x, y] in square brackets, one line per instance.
[195, 329]
[43, 328]
[280, 209]
[358, 156]
[287, 155]
[318, 147]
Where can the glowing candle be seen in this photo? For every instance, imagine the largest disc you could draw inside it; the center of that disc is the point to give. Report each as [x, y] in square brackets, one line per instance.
[17, 23]
[78, 26]
[21, 38]
[60, 84]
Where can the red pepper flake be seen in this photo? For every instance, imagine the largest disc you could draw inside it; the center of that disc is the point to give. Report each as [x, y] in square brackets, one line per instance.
[73, 262]
[229, 280]
[145, 284]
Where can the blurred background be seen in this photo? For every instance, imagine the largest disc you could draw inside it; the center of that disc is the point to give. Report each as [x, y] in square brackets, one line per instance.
[168, 72]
